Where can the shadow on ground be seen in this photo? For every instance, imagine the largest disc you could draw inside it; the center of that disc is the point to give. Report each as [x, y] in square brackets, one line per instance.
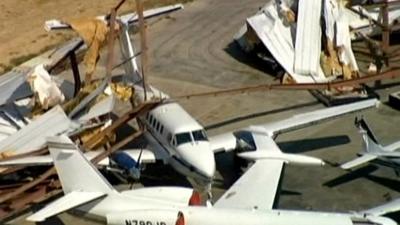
[311, 144]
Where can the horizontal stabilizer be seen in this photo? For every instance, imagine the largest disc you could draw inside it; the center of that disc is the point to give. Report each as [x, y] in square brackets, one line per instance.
[47, 160]
[358, 161]
[69, 201]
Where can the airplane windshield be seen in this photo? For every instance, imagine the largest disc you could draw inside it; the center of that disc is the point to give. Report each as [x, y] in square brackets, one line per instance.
[199, 135]
[183, 138]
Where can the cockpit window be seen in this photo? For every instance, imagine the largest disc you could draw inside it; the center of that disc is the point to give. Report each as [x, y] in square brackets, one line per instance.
[199, 135]
[183, 138]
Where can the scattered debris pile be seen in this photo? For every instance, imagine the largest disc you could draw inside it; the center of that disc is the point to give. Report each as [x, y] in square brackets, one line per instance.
[36, 105]
[312, 39]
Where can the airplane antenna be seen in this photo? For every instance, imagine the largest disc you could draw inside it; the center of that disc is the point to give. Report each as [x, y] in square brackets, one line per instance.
[143, 44]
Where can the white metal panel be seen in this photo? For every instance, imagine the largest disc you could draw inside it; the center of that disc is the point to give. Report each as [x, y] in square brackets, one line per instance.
[255, 189]
[308, 38]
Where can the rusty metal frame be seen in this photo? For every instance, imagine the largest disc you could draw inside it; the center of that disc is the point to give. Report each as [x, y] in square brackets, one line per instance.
[393, 73]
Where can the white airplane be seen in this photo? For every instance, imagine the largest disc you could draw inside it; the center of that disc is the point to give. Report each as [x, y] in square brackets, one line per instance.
[373, 151]
[249, 201]
[176, 138]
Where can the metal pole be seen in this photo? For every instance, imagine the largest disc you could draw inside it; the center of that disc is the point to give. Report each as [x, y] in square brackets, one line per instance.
[143, 44]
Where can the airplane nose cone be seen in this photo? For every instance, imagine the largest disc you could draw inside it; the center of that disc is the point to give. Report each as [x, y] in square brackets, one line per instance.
[207, 169]
[200, 157]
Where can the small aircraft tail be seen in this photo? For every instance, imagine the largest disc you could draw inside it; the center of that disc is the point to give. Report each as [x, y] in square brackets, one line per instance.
[75, 172]
[371, 147]
[81, 181]
[370, 142]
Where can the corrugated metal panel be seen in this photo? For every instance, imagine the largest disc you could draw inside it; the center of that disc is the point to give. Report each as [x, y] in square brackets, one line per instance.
[278, 39]
[33, 136]
[308, 38]
[13, 86]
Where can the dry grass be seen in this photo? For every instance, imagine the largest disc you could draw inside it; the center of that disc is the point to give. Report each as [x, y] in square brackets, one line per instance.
[21, 31]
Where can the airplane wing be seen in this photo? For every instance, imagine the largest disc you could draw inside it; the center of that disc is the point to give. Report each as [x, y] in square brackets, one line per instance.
[68, 201]
[358, 161]
[227, 141]
[301, 120]
[256, 189]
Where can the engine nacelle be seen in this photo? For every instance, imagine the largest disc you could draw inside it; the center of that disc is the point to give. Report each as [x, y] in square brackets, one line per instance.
[144, 217]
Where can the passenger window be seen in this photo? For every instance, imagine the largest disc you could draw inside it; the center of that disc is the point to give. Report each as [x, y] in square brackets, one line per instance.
[158, 126]
[183, 138]
[153, 123]
[151, 119]
[200, 135]
[161, 129]
[147, 116]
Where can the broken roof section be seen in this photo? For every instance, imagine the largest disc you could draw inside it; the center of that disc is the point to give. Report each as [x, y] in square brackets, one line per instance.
[310, 39]
[277, 37]
[33, 136]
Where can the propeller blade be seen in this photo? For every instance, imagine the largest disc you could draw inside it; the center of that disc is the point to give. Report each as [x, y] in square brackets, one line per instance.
[139, 158]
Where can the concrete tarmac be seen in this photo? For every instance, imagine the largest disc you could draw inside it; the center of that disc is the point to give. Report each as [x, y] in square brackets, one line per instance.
[192, 51]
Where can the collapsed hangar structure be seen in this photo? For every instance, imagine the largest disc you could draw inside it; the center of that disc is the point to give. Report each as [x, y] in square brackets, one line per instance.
[311, 40]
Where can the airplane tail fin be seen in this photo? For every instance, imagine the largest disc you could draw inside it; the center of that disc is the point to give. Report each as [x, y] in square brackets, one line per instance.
[370, 142]
[75, 172]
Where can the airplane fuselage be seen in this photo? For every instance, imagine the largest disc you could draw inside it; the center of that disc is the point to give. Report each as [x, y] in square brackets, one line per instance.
[180, 140]
[148, 211]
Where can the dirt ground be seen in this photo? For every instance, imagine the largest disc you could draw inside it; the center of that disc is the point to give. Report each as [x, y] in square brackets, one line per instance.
[21, 28]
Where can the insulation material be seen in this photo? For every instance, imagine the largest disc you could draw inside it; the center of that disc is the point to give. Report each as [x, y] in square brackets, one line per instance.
[339, 58]
[308, 37]
[343, 41]
[123, 92]
[46, 91]
[288, 15]
[94, 33]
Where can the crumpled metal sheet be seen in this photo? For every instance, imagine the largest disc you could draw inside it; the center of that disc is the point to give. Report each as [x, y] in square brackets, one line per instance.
[33, 136]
